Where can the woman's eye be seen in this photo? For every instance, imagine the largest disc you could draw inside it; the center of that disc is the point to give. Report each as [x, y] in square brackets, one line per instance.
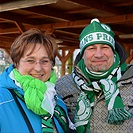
[30, 61]
[45, 61]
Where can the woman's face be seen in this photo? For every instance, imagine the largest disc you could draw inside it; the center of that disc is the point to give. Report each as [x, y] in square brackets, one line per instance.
[98, 57]
[37, 64]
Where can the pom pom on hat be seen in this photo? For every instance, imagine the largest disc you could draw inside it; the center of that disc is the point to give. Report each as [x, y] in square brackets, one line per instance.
[95, 19]
[96, 33]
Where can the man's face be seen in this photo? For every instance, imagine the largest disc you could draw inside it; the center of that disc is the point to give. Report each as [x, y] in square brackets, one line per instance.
[98, 57]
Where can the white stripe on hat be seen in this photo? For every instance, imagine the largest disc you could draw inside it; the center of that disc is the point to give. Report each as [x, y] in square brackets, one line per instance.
[97, 37]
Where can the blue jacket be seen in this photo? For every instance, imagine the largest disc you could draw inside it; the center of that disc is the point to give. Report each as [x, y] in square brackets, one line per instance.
[11, 120]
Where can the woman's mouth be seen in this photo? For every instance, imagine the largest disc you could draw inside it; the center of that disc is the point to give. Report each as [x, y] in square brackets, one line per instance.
[37, 75]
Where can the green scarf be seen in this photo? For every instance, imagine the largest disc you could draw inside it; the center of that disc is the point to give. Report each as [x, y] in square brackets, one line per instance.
[91, 83]
[34, 90]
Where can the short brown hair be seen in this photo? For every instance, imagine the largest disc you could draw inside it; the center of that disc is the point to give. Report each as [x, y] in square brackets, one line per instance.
[33, 36]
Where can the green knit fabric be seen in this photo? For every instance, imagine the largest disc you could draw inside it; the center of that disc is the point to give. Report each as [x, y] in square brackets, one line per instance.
[34, 90]
[97, 82]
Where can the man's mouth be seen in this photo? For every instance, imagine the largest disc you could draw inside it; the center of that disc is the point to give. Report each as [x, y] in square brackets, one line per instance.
[99, 61]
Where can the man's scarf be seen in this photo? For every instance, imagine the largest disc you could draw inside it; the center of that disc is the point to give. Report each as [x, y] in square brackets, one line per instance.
[92, 83]
[41, 98]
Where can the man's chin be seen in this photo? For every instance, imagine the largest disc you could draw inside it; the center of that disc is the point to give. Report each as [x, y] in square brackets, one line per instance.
[100, 68]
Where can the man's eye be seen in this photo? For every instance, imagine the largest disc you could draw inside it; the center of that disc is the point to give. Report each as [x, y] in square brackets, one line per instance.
[91, 48]
[105, 47]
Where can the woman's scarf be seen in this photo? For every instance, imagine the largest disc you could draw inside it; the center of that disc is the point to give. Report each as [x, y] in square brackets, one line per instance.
[41, 98]
[92, 83]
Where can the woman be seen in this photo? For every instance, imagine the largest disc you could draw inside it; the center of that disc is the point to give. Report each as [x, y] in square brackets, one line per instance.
[31, 79]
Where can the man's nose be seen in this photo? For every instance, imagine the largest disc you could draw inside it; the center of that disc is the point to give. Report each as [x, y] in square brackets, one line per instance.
[98, 52]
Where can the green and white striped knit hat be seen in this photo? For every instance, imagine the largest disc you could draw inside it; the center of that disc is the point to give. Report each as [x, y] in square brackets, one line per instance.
[96, 33]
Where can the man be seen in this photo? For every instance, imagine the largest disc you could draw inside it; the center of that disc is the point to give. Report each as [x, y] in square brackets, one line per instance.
[99, 92]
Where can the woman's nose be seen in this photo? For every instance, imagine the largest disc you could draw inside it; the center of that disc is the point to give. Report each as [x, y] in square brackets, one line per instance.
[38, 66]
